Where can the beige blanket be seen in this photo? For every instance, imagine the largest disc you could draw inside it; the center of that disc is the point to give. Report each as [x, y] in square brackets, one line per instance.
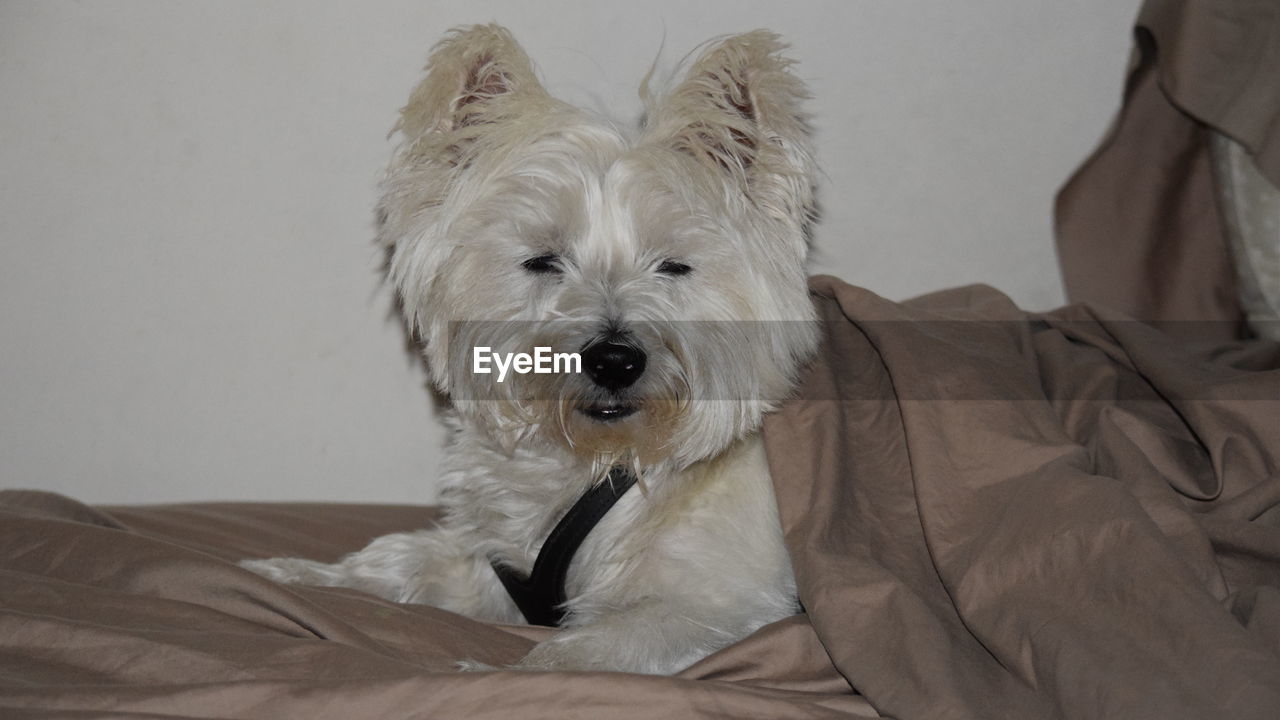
[1139, 228]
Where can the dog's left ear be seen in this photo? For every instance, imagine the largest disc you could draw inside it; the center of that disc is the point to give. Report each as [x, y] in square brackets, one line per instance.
[738, 112]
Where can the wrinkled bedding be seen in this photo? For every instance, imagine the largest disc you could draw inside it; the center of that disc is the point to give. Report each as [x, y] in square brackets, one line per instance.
[1139, 227]
[1026, 516]
[992, 514]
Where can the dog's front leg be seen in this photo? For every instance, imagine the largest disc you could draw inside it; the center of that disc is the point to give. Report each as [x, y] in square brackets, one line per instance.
[432, 567]
[657, 637]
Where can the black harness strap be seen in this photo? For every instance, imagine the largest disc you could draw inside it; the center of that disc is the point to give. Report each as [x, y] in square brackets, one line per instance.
[541, 595]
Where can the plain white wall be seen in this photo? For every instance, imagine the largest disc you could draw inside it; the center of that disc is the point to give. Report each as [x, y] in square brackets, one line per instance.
[191, 303]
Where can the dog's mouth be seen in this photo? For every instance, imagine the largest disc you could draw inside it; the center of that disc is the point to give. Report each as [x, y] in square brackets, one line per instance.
[608, 412]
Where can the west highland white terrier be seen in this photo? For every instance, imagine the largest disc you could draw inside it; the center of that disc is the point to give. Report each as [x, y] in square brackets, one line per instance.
[630, 503]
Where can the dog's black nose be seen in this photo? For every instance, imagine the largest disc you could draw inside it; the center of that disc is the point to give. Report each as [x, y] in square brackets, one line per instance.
[612, 365]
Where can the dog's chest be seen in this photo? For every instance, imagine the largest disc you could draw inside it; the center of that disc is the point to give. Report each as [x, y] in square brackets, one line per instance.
[717, 514]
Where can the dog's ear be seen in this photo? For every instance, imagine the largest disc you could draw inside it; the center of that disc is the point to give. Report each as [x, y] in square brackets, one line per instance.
[479, 95]
[476, 76]
[738, 110]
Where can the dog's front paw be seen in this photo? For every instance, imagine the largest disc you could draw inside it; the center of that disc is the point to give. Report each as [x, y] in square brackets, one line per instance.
[287, 570]
[629, 643]
[564, 653]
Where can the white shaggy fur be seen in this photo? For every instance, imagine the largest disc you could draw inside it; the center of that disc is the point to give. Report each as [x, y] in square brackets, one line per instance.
[493, 171]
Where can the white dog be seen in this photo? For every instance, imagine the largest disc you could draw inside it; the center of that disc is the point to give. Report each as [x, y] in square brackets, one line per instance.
[671, 257]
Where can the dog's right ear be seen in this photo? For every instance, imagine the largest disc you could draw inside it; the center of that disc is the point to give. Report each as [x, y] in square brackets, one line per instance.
[479, 96]
[476, 76]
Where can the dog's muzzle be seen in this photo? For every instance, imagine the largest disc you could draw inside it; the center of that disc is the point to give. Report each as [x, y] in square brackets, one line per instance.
[614, 365]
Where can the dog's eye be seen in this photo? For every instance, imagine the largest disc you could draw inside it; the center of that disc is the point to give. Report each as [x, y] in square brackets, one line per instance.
[671, 267]
[542, 264]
